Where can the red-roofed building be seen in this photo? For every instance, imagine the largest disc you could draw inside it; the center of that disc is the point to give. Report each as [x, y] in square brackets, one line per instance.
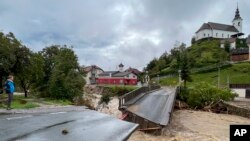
[92, 73]
[117, 77]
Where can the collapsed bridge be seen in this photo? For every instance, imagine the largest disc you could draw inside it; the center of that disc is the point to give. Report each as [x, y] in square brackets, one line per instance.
[151, 107]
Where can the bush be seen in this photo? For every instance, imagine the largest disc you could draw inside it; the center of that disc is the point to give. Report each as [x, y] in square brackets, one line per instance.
[242, 67]
[105, 98]
[205, 94]
[68, 86]
[183, 94]
[118, 90]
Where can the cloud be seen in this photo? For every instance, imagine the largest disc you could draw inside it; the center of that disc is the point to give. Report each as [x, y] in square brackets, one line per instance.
[109, 32]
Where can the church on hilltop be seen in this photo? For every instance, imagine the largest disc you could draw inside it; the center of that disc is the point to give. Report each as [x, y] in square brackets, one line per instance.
[221, 31]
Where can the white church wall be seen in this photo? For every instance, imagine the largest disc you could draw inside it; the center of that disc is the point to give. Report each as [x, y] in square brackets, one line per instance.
[203, 34]
[222, 34]
[214, 33]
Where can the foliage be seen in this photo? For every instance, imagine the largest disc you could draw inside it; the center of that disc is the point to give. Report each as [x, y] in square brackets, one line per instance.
[231, 73]
[65, 81]
[29, 68]
[241, 43]
[169, 81]
[227, 46]
[28, 105]
[19, 103]
[184, 67]
[8, 59]
[105, 98]
[62, 102]
[118, 90]
[183, 94]
[206, 53]
[205, 94]
[200, 54]
[242, 67]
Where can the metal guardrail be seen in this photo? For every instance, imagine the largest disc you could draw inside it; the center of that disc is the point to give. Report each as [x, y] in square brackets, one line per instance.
[131, 95]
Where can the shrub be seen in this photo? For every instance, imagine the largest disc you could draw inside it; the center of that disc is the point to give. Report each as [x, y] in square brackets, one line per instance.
[68, 86]
[105, 98]
[242, 67]
[183, 94]
[118, 90]
[205, 94]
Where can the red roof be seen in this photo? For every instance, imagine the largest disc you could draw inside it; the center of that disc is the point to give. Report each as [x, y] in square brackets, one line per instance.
[90, 68]
[133, 70]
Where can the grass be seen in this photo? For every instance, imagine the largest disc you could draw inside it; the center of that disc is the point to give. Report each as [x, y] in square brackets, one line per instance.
[19, 102]
[237, 73]
[19, 105]
[171, 81]
[57, 102]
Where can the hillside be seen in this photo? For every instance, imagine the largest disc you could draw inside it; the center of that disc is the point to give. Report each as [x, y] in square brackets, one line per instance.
[237, 73]
[200, 54]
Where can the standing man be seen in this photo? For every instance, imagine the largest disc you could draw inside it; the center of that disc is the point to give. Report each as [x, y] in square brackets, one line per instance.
[9, 88]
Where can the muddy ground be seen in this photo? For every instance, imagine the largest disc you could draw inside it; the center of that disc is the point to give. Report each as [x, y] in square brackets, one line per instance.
[186, 125]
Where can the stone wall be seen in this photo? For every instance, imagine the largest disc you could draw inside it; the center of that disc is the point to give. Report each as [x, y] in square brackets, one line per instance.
[236, 110]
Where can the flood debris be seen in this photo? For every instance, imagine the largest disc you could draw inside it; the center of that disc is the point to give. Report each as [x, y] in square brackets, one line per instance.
[65, 131]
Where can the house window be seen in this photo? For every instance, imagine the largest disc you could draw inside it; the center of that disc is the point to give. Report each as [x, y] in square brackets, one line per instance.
[121, 81]
[238, 23]
[204, 35]
[208, 35]
[216, 34]
[222, 35]
[227, 35]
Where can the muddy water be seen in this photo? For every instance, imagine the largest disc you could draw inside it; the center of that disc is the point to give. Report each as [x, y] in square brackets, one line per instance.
[189, 125]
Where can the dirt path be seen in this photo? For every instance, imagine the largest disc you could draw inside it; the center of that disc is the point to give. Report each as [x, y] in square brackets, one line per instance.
[189, 125]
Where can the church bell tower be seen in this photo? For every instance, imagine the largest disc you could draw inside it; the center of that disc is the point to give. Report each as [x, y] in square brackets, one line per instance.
[237, 21]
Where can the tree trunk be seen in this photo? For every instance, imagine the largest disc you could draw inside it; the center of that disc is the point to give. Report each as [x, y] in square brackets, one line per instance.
[185, 82]
[25, 93]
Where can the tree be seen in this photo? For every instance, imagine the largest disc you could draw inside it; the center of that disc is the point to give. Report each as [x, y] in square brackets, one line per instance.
[66, 81]
[185, 69]
[21, 67]
[48, 54]
[8, 46]
[30, 70]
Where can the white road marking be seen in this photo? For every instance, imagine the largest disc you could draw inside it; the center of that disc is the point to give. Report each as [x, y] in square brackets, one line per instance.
[57, 113]
[12, 118]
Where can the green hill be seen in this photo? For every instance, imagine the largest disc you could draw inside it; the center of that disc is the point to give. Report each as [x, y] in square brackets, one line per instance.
[236, 73]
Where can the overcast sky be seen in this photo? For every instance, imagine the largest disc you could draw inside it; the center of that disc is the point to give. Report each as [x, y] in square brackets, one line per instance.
[108, 32]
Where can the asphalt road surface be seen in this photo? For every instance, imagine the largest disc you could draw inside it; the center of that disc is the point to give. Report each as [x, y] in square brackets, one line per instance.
[64, 126]
[155, 106]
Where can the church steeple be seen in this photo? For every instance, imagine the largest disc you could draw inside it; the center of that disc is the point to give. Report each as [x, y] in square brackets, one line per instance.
[237, 21]
[237, 13]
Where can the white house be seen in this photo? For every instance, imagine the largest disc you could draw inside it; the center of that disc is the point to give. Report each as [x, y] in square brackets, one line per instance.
[92, 73]
[221, 31]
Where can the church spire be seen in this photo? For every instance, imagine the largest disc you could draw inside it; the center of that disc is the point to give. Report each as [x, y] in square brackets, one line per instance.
[237, 13]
